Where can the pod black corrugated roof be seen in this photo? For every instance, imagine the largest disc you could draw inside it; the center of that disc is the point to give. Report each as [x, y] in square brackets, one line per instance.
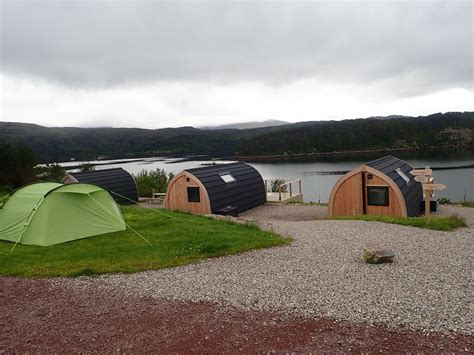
[115, 180]
[412, 190]
[246, 192]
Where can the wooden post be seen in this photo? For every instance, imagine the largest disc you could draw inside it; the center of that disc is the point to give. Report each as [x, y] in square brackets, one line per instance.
[279, 193]
[299, 181]
[424, 176]
[291, 194]
[427, 206]
[427, 201]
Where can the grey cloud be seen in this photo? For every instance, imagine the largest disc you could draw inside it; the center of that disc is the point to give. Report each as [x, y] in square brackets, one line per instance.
[419, 46]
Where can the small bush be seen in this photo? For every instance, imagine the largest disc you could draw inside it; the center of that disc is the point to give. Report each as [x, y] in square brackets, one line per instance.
[444, 201]
[149, 181]
[275, 184]
[86, 167]
[5, 192]
[51, 172]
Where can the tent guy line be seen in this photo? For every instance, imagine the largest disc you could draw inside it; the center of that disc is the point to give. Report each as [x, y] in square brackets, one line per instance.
[150, 208]
[125, 223]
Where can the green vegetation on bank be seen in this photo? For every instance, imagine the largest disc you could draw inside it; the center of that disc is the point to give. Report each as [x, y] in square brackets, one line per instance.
[4, 195]
[18, 168]
[467, 204]
[154, 180]
[54, 144]
[440, 223]
[17, 164]
[176, 238]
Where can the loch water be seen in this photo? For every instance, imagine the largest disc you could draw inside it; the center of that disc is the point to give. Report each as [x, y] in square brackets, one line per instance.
[319, 176]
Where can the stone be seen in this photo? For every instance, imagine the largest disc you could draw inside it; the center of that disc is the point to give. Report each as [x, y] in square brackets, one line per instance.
[376, 254]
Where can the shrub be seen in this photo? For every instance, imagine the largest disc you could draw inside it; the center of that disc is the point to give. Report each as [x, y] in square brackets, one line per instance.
[276, 183]
[52, 172]
[156, 180]
[5, 192]
[86, 167]
[444, 201]
[17, 164]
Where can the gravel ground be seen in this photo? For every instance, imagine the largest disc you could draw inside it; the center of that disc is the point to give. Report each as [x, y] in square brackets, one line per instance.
[428, 287]
[290, 213]
[37, 317]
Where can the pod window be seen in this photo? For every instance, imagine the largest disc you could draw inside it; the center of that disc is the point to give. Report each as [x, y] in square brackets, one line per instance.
[227, 178]
[193, 194]
[402, 175]
[377, 196]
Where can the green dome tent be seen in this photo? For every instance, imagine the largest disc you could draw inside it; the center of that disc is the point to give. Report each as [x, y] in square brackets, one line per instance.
[51, 213]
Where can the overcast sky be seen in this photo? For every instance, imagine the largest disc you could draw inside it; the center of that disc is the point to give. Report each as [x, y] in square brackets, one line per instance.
[162, 64]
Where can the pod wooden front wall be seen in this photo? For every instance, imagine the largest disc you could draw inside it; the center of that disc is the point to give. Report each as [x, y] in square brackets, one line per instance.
[177, 195]
[349, 195]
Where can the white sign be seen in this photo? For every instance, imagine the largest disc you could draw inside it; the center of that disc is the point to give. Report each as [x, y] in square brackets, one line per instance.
[434, 187]
[421, 172]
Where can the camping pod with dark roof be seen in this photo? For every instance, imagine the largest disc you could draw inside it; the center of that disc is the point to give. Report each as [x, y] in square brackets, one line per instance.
[227, 189]
[381, 187]
[117, 181]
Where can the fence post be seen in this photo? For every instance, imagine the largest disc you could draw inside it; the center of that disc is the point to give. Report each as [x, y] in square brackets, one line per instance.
[427, 206]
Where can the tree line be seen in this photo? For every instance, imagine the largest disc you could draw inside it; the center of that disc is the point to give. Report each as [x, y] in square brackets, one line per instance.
[453, 129]
[18, 167]
[449, 130]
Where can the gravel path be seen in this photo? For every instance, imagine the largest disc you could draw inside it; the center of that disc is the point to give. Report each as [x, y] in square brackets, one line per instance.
[290, 213]
[428, 287]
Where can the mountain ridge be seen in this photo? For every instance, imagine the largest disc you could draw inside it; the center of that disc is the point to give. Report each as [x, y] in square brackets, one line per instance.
[54, 144]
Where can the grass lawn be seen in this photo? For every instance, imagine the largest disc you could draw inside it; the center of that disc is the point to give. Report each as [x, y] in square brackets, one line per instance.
[440, 223]
[467, 204]
[174, 242]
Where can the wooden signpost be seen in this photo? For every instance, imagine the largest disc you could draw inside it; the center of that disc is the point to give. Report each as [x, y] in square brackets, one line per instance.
[424, 176]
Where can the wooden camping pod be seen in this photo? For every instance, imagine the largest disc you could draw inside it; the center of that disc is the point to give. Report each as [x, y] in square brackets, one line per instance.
[381, 187]
[219, 189]
[177, 195]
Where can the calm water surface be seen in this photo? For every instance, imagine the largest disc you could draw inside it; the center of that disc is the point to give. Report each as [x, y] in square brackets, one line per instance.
[318, 177]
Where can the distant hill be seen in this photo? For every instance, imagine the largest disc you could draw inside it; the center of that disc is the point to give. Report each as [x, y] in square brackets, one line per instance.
[247, 125]
[449, 130]
[53, 144]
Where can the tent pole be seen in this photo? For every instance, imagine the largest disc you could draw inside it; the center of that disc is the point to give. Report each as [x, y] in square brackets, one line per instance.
[27, 222]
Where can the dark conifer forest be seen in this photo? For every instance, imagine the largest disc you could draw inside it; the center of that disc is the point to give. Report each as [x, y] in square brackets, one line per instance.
[451, 130]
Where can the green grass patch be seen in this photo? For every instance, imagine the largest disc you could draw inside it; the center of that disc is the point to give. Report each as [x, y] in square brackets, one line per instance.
[179, 240]
[467, 204]
[441, 223]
